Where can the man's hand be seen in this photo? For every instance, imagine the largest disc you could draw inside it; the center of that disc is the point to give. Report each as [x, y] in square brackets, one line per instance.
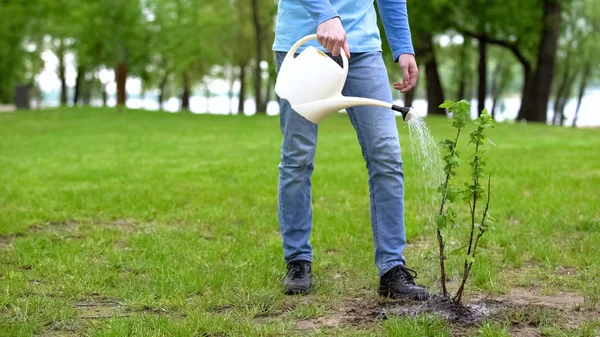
[410, 72]
[332, 36]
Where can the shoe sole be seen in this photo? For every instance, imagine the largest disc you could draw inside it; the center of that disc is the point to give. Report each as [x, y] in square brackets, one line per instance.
[385, 292]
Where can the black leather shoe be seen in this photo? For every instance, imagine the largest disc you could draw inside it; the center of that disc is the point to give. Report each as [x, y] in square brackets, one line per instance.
[298, 279]
[399, 283]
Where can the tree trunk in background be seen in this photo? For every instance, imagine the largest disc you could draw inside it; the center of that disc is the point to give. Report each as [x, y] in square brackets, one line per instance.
[409, 97]
[562, 95]
[435, 94]
[230, 92]
[78, 81]
[499, 79]
[60, 54]
[584, 78]
[260, 106]
[269, 92]
[561, 117]
[482, 82]
[121, 77]
[462, 68]
[207, 96]
[526, 97]
[560, 91]
[161, 87]
[185, 96]
[542, 82]
[86, 88]
[104, 96]
[242, 95]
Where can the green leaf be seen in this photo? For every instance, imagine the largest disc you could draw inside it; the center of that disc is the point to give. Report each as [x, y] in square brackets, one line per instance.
[470, 259]
[456, 251]
[447, 105]
[451, 193]
[450, 217]
[441, 221]
[446, 144]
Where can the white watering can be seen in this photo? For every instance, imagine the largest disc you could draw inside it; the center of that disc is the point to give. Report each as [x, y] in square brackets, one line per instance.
[313, 82]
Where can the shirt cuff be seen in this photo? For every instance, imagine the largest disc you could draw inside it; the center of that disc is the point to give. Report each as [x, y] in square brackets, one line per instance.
[327, 14]
[406, 50]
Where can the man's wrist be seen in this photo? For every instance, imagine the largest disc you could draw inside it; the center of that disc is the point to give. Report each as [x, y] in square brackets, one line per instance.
[397, 59]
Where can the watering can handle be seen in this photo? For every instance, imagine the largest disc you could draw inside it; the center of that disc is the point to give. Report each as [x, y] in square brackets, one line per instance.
[307, 38]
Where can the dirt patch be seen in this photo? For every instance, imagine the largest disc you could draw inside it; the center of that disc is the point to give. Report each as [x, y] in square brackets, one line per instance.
[68, 229]
[125, 224]
[525, 296]
[356, 312]
[98, 308]
[54, 226]
[565, 270]
[5, 241]
[57, 332]
[524, 309]
[444, 307]
[525, 331]
[221, 309]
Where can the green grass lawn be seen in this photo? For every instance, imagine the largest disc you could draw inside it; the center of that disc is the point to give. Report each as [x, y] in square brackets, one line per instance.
[150, 223]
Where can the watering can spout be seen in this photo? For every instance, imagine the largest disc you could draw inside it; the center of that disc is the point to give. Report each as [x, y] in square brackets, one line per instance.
[405, 111]
[317, 111]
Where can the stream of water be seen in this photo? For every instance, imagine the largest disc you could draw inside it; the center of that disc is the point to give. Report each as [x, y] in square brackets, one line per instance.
[426, 156]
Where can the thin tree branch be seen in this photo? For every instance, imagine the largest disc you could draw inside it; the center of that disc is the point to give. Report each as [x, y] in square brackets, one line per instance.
[512, 46]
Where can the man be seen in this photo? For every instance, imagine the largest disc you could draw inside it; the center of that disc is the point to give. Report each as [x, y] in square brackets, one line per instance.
[351, 25]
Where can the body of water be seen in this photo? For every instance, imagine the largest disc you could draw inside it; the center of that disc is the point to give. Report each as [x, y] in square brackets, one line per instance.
[589, 113]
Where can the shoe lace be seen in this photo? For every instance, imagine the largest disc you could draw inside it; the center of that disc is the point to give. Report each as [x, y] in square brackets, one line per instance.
[296, 269]
[405, 274]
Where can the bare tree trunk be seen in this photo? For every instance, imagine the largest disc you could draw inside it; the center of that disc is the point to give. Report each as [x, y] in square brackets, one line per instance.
[269, 91]
[526, 95]
[562, 95]
[482, 84]
[546, 59]
[260, 106]
[104, 96]
[559, 93]
[563, 89]
[86, 88]
[561, 116]
[185, 96]
[462, 68]
[435, 93]
[161, 88]
[242, 95]
[230, 92]
[78, 81]
[499, 81]
[121, 77]
[60, 54]
[584, 78]
[409, 97]
[207, 97]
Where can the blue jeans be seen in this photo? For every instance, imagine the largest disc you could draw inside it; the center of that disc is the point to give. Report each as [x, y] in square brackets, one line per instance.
[377, 135]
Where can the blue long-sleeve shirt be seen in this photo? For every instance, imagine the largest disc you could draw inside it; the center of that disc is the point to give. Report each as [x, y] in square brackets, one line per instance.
[298, 18]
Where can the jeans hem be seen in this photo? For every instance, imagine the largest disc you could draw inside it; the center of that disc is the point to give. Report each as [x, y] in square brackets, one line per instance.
[300, 258]
[389, 267]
